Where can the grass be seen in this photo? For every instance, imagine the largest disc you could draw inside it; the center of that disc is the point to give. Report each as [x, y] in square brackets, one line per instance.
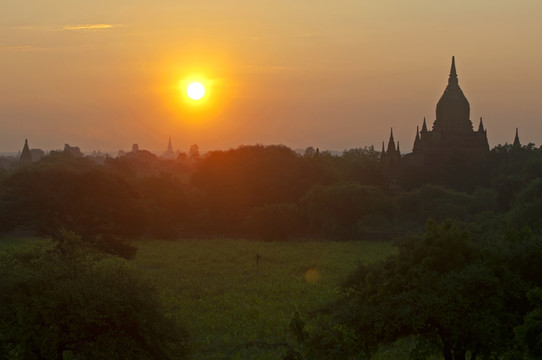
[225, 301]
[14, 244]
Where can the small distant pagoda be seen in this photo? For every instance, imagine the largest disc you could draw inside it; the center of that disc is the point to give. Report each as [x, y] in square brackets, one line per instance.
[390, 160]
[517, 143]
[26, 155]
[169, 154]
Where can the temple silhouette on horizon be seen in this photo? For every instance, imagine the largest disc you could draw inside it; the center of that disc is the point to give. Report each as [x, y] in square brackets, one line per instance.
[452, 131]
[451, 137]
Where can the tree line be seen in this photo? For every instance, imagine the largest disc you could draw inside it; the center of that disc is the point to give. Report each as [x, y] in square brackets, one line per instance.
[465, 284]
[267, 192]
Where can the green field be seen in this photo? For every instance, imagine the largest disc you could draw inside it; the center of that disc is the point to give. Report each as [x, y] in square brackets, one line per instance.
[214, 288]
[225, 301]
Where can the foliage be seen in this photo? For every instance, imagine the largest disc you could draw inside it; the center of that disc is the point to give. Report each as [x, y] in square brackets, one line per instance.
[168, 205]
[98, 205]
[274, 221]
[527, 207]
[223, 192]
[233, 182]
[68, 301]
[438, 203]
[529, 334]
[453, 295]
[345, 210]
[512, 168]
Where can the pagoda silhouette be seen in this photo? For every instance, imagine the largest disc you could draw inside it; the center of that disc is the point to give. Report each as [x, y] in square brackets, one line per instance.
[451, 139]
[26, 155]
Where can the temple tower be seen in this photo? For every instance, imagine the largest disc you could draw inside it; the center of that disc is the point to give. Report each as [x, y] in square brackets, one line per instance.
[169, 154]
[452, 130]
[517, 143]
[26, 155]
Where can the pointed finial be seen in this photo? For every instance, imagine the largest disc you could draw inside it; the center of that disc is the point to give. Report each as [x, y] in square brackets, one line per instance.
[383, 149]
[417, 139]
[453, 74]
[391, 143]
[26, 156]
[481, 126]
[424, 126]
[516, 140]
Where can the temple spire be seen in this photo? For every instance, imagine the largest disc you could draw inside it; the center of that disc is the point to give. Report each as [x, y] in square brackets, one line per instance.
[453, 74]
[424, 126]
[26, 155]
[417, 139]
[481, 126]
[169, 146]
[391, 143]
[516, 139]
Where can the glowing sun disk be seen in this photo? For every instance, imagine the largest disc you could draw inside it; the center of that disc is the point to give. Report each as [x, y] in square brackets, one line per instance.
[195, 91]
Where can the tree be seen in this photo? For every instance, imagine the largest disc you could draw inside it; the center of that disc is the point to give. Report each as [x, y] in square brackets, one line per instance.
[309, 152]
[527, 206]
[345, 210]
[69, 302]
[233, 182]
[168, 205]
[530, 332]
[100, 206]
[193, 152]
[438, 203]
[442, 289]
[274, 221]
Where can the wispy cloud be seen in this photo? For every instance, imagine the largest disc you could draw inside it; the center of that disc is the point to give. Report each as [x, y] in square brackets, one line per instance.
[81, 27]
[91, 27]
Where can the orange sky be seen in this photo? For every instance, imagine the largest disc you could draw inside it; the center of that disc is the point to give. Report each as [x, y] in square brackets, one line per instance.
[105, 74]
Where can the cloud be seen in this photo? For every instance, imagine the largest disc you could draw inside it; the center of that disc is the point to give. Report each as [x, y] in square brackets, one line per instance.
[84, 27]
[91, 27]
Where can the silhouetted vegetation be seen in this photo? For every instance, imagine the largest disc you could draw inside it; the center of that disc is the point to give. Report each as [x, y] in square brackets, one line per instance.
[233, 192]
[466, 286]
[451, 293]
[68, 302]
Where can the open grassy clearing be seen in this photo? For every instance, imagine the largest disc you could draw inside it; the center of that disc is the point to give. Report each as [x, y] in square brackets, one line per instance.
[225, 301]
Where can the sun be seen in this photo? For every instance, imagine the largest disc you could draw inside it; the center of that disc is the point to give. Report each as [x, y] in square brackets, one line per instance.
[195, 91]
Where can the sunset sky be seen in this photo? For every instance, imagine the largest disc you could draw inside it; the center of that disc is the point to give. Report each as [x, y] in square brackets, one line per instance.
[105, 74]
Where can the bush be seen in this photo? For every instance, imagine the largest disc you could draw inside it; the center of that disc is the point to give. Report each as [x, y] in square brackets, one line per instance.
[346, 210]
[68, 301]
[273, 221]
